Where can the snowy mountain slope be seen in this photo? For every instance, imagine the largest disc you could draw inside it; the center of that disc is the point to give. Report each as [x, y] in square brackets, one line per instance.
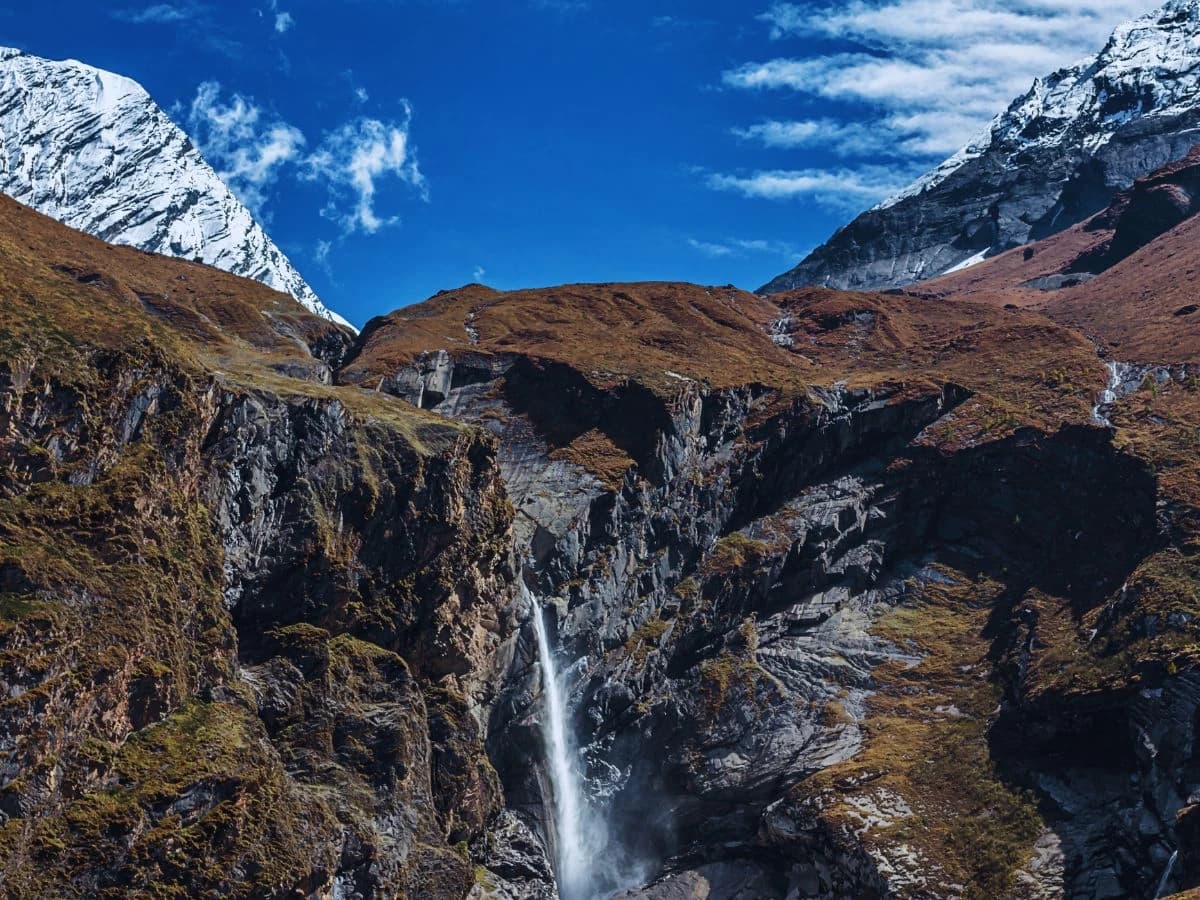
[93, 150]
[1056, 156]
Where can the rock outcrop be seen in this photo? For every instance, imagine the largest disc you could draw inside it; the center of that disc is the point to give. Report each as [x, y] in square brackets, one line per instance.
[815, 604]
[248, 621]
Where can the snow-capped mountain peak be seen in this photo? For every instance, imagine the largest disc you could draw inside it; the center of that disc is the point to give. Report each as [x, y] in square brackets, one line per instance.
[92, 149]
[1149, 67]
[1054, 157]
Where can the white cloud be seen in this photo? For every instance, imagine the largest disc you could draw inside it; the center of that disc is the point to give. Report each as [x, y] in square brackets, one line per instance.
[841, 189]
[161, 14]
[913, 79]
[784, 18]
[246, 149]
[937, 70]
[354, 159]
[479, 274]
[321, 256]
[282, 19]
[709, 249]
[250, 150]
[742, 247]
[844, 138]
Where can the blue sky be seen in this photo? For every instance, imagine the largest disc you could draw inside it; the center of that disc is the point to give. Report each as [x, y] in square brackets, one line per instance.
[394, 148]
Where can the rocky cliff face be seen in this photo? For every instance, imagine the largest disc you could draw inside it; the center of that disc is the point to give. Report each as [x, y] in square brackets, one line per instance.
[248, 621]
[1054, 158]
[93, 150]
[862, 621]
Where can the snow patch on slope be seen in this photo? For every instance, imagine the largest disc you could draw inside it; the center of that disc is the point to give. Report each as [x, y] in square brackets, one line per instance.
[968, 263]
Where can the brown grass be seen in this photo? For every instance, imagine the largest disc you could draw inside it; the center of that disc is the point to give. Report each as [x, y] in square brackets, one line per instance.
[595, 452]
[717, 336]
[65, 296]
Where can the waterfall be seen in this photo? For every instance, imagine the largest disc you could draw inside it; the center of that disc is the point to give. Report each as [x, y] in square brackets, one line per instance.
[1166, 879]
[1109, 395]
[573, 856]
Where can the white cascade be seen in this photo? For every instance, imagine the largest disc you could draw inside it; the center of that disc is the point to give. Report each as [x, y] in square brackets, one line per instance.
[1166, 878]
[1109, 395]
[573, 856]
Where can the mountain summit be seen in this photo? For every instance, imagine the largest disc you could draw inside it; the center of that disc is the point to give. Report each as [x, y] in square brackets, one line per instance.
[1055, 157]
[93, 150]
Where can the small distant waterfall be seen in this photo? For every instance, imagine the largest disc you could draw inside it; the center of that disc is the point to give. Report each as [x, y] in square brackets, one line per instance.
[1166, 878]
[573, 855]
[1109, 395]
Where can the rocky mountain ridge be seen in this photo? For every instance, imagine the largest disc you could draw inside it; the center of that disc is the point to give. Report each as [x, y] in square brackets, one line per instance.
[93, 150]
[1122, 277]
[741, 588]
[1054, 158]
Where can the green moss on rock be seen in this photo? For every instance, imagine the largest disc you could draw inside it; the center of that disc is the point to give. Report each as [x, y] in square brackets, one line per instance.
[195, 806]
[735, 551]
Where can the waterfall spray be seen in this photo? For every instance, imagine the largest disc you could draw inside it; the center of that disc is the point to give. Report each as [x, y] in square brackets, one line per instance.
[573, 857]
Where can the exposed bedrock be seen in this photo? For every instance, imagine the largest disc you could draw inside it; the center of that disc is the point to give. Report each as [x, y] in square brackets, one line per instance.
[247, 638]
[726, 569]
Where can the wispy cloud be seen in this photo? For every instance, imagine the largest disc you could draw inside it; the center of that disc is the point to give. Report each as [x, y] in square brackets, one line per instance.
[246, 147]
[251, 150]
[353, 160]
[561, 6]
[321, 252]
[283, 19]
[742, 247]
[843, 138]
[206, 25]
[844, 189]
[479, 274]
[910, 79]
[681, 23]
[161, 14]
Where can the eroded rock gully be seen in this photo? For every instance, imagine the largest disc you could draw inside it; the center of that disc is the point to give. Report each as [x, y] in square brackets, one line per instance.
[756, 600]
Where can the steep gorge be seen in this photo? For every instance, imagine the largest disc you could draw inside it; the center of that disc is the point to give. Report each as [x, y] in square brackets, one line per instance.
[771, 590]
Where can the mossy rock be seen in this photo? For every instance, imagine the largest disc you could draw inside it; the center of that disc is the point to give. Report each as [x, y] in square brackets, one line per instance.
[197, 805]
[735, 552]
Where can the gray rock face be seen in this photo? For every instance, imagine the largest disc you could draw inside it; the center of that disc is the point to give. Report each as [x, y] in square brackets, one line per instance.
[722, 601]
[1054, 158]
[361, 730]
[516, 862]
